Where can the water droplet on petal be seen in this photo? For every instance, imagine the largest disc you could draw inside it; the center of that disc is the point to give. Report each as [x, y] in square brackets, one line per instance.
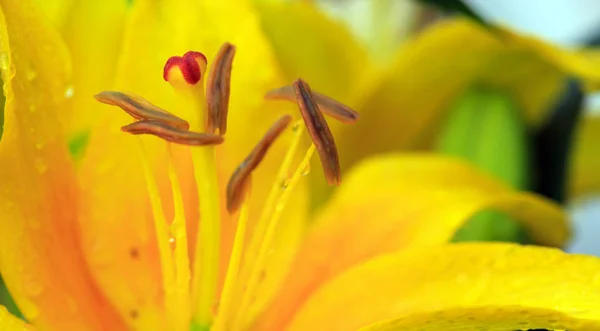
[4, 61]
[30, 75]
[69, 92]
[285, 183]
[306, 170]
[33, 288]
[40, 165]
[39, 145]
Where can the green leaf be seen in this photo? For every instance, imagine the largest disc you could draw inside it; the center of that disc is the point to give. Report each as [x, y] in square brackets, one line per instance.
[7, 301]
[485, 128]
[457, 6]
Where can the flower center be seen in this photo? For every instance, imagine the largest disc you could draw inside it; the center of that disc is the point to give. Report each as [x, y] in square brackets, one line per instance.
[190, 295]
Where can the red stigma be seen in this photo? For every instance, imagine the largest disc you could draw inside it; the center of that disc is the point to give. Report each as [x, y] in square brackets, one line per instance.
[188, 64]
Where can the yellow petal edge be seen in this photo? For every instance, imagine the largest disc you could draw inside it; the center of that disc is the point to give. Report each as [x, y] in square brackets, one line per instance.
[461, 287]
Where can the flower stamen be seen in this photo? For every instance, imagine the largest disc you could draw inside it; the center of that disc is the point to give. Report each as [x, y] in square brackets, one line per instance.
[141, 109]
[329, 106]
[319, 132]
[229, 286]
[163, 237]
[258, 266]
[172, 134]
[181, 259]
[218, 89]
[238, 183]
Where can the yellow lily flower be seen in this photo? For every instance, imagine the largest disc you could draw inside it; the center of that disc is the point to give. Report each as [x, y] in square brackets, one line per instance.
[109, 239]
[407, 102]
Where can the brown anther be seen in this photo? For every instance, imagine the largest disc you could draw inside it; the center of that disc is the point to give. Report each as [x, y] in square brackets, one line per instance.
[218, 88]
[172, 134]
[319, 132]
[141, 109]
[240, 179]
[329, 106]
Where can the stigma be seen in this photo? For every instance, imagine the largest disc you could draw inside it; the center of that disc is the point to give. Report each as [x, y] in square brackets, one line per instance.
[191, 287]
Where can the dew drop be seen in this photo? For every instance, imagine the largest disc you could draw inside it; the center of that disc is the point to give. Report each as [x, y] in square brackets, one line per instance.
[69, 92]
[306, 170]
[32, 108]
[30, 74]
[34, 288]
[172, 240]
[39, 145]
[285, 183]
[4, 61]
[40, 165]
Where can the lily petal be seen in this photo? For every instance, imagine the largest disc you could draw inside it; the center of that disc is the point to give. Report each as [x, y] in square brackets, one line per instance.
[434, 68]
[40, 255]
[323, 52]
[393, 202]
[56, 11]
[458, 287]
[94, 45]
[9, 322]
[584, 174]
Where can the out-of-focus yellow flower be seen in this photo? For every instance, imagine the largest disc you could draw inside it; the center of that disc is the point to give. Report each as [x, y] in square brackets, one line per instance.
[405, 105]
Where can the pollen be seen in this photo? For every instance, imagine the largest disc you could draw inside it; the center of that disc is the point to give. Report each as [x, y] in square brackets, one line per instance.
[329, 106]
[319, 132]
[172, 134]
[141, 109]
[218, 89]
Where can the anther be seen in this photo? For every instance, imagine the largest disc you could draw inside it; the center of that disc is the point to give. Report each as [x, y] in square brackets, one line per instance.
[329, 106]
[141, 109]
[319, 132]
[192, 65]
[238, 183]
[218, 88]
[172, 134]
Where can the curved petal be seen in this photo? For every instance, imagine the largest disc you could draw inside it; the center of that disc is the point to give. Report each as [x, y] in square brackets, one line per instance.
[434, 68]
[9, 322]
[56, 11]
[584, 174]
[40, 255]
[323, 52]
[94, 45]
[116, 190]
[458, 287]
[393, 202]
